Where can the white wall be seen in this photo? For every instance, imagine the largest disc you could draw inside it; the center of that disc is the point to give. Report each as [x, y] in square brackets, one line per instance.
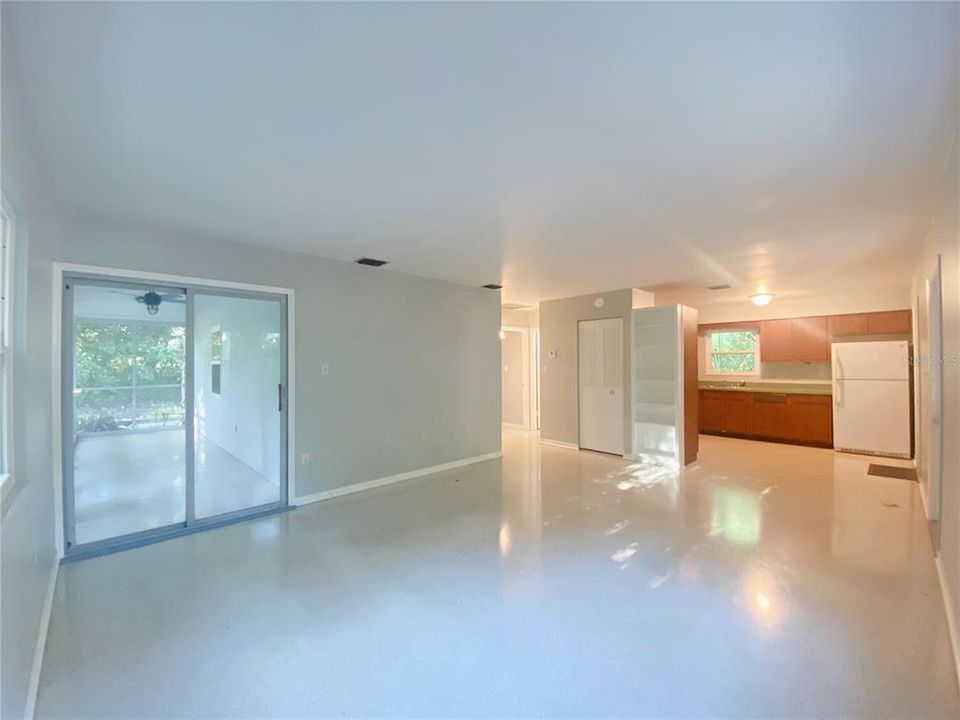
[244, 419]
[943, 238]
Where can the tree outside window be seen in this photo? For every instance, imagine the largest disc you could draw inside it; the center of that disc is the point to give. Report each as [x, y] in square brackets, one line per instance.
[734, 352]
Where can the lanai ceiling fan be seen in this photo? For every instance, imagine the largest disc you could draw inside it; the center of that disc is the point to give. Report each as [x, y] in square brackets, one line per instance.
[152, 299]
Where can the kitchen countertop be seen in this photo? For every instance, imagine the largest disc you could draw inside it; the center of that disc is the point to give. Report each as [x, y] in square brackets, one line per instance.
[768, 387]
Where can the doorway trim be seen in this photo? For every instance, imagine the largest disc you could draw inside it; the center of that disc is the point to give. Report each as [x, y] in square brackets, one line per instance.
[60, 269]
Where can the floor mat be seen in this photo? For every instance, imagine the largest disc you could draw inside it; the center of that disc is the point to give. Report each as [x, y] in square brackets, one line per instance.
[904, 473]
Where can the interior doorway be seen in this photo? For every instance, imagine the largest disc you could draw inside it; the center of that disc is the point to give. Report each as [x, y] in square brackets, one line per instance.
[514, 376]
[174, 409]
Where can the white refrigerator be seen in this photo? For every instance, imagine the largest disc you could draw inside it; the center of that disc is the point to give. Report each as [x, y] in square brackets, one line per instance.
[871, 397]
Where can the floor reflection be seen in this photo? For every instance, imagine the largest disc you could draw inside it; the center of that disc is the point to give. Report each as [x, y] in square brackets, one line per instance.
[762, 581]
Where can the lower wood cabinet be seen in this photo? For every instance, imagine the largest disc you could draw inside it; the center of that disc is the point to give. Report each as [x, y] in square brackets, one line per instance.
[810, 419]
[787, 417]
[770, 416]
[738, 413]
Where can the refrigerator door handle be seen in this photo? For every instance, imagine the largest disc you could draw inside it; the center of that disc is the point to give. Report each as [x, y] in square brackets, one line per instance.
[838, 382]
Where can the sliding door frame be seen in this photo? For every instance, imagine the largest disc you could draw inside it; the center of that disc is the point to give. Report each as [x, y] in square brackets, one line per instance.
[63, 410]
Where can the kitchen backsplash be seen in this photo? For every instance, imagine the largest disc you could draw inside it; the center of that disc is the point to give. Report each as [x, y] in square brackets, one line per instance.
[795, 371]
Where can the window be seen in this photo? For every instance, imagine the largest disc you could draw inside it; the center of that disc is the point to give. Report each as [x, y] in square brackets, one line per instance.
[216, 360]
[733, 352]
[7, 228]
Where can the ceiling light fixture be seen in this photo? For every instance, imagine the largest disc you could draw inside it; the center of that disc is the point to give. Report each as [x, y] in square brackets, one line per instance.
[761, 299]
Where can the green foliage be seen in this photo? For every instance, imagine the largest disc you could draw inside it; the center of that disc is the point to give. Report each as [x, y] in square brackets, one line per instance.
[112, 358]
[733, 351]
[108, 354]
[734, 341]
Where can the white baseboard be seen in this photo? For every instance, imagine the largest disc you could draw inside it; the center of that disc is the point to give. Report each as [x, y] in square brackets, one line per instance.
[559, 443]
[390, 479]
[951, 616]
[37, 664]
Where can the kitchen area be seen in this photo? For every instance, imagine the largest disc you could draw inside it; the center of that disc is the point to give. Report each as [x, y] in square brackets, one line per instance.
[838, 381]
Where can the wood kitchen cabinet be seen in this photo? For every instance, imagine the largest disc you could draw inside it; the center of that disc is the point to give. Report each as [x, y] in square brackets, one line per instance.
[784, 417]
[894, 322]
[890, 322]
[738, 413]
[810, 342]
[848, 325]
[711, 411]
[776, 340]
[810, 419]
[723, 411]
[770, 416]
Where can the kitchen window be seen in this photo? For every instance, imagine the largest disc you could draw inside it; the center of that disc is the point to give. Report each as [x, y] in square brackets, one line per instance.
[733, 352]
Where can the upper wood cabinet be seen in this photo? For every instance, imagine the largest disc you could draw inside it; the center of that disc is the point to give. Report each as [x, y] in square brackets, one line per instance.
[776, 340]
[810, 340]
[890, 322]
[807, 339]
[846, 325]
[894, 322]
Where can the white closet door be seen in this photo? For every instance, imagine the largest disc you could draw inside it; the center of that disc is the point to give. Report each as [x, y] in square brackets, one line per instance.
[590, 384]
[612, 396]
[601, 385]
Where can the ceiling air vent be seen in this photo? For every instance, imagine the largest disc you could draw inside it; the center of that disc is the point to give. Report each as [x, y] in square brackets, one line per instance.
[493, 286]
[372, 262]
[719, 287]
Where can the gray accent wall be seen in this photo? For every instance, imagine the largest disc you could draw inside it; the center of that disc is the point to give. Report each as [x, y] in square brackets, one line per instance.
[406, 355]
[559, 387]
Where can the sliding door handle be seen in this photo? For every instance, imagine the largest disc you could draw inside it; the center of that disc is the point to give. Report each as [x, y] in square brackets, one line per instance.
[279, 397]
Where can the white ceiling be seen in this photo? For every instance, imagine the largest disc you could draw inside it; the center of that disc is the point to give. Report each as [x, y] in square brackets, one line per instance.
[558, 148]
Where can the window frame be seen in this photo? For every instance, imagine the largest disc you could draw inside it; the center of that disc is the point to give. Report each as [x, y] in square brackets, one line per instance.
[8, 290]
[709, 352]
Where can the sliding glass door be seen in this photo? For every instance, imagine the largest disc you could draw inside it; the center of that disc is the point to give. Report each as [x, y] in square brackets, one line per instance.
[238, 404]
[174, 410]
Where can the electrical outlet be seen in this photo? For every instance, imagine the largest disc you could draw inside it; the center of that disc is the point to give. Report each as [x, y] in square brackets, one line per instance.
[305, 459]
[324, 369]
[424, 438]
